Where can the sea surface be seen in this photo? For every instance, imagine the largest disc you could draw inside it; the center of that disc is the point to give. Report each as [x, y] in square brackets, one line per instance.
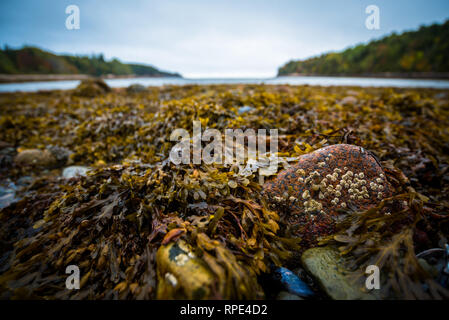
[314, 81]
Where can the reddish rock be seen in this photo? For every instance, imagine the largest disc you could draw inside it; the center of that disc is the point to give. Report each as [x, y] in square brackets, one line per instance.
[324, 184]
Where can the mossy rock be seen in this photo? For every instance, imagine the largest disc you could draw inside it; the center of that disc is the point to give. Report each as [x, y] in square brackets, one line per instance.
[327, 267]
[136, 88]
[35, 158]
[91, 88]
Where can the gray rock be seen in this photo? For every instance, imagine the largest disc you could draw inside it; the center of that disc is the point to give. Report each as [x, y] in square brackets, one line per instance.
[74, 171]
[327, 266]
[61, 154]
[284, 295]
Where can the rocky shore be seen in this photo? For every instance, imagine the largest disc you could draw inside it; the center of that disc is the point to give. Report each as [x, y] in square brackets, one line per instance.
[86, 180]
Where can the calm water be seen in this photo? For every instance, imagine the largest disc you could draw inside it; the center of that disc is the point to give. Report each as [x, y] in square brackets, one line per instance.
[318, 81]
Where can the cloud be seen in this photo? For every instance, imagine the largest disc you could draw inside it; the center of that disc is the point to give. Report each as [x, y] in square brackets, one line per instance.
[200, 38]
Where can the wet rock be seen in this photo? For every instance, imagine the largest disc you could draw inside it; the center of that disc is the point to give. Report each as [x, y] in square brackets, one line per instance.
[326, 266]
[349, 100]
[73, 171]
[136, 88]
[182, 275]
[245, 109]
[91, 88]
[325, 184]
[284, 295]
[35, 158]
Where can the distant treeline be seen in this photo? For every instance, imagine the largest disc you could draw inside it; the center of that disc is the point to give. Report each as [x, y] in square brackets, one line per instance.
[32, 60]
[423, 51]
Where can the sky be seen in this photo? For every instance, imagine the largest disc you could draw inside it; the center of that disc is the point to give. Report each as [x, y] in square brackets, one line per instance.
[210, 38]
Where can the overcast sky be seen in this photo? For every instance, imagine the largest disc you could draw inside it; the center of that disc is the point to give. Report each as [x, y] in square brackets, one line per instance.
[210, 38]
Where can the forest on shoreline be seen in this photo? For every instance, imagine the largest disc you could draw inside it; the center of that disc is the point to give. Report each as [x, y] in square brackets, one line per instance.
[413, 54]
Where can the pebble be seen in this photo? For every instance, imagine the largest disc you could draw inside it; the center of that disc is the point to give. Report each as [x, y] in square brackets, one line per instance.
[73, 171]
[245, 109]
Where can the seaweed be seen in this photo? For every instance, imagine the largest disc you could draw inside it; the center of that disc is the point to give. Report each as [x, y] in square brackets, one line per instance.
[134, 201]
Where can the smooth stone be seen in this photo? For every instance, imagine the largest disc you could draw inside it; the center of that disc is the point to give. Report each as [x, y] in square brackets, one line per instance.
[73, 171]
[35, 158]
[326, 265]
[181, 274]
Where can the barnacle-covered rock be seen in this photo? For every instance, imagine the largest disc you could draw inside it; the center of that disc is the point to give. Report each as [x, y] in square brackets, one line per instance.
[325, 182]
[35, 158]
[182, 275]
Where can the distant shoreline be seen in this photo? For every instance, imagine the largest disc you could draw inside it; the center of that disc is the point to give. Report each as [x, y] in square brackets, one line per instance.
[383, 75]
[21, 78]
[16, 78]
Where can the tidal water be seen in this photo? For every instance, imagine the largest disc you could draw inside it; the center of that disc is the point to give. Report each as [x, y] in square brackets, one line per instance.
[313, 81]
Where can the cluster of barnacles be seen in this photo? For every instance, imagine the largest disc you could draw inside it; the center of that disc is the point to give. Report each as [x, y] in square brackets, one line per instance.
[332, 186]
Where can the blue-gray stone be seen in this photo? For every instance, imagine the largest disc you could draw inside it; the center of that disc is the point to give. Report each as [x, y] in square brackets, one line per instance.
[245, 109]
